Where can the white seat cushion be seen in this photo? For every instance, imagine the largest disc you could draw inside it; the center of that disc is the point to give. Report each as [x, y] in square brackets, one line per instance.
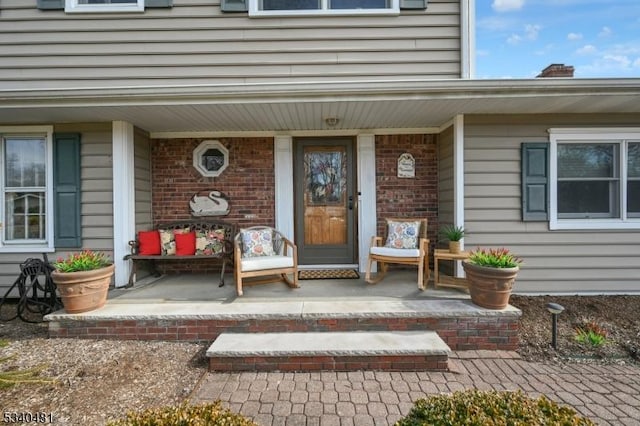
[265, 262]
[395, 252]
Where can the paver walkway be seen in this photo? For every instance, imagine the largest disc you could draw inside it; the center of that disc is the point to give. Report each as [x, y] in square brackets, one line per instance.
[608, 394]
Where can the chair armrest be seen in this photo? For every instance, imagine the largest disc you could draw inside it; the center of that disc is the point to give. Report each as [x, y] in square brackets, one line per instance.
[376, 241]
[135, 247]
[424, 245]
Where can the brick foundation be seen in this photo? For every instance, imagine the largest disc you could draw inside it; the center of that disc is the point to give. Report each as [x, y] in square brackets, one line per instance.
[460, 333]
[332, 363]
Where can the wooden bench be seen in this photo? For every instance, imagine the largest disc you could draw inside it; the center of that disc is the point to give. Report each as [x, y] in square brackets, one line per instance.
[224, 257]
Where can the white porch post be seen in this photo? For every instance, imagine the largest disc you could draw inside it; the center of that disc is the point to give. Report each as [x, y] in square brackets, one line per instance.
[283, 170]
[458, 179]
[123, 196]
[367, 216]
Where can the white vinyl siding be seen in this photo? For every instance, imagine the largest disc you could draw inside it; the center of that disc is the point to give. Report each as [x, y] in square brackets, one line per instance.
[554, 261]
[142, 164]
[195, 43]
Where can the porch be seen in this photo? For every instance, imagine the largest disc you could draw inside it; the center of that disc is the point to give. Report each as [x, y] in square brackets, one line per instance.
[191, 307]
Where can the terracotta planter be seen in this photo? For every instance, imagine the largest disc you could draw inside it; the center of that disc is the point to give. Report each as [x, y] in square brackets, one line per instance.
[83, 291]
[454, 247]
[490, 287]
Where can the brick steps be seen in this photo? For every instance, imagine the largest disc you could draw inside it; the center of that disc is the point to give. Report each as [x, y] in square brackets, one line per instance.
[329, 351]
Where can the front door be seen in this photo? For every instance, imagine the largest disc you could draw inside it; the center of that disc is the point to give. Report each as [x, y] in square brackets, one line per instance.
[324, 200]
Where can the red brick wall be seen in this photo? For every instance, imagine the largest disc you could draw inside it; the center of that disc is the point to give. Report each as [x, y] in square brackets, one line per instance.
[248, 181]
[406, 197]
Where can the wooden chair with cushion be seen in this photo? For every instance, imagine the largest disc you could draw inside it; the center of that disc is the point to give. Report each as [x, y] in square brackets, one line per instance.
[405, 243]
[262, 251]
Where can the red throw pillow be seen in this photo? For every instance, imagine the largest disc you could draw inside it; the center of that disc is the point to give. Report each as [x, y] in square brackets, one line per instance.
[149, 242]
[185, 244]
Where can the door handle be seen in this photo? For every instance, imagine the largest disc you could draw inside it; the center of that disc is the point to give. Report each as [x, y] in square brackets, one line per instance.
[350, 205]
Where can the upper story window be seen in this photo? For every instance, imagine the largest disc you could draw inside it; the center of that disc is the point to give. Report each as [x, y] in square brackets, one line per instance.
[595, 179]
[330, 7]
[89, 6]
[25, 188]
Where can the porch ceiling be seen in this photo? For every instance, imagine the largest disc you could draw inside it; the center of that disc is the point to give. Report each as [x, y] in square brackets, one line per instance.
[287, 107]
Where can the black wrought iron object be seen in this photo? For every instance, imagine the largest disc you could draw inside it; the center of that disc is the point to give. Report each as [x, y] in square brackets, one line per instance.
[36, 289]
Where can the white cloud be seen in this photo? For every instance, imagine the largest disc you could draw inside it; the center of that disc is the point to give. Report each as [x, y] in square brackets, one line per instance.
[507, 5]
[605, 32]
[636, 63]
[587, 49]
[514, 39]
[532, 31]
[574, 36]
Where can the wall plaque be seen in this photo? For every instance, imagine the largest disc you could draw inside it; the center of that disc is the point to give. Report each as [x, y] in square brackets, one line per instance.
[406, 166]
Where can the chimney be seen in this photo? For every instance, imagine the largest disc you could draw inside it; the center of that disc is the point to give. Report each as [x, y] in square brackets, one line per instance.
[556, 70]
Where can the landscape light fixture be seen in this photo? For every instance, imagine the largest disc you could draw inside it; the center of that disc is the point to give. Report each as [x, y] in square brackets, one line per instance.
[555, 309]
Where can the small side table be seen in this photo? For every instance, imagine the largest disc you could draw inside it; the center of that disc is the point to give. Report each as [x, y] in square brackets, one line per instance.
[446, 281]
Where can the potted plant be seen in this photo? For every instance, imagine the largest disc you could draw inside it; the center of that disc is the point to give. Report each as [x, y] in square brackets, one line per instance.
[83, 280]
[491, 274]
[453, 234]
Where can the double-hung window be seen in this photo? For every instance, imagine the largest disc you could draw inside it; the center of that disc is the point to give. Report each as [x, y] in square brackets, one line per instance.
[25, 188]
[595, 178]
[329, 7]
[89, 6]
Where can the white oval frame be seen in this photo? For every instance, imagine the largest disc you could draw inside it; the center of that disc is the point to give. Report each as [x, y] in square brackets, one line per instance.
[204, 147]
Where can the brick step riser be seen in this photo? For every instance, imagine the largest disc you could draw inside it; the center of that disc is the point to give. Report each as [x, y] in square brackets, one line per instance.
[331, 363]
[460, 333]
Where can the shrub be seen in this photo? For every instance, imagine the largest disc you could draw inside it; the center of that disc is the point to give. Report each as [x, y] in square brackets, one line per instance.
[481, 408]
[591, 333]
[184, 415]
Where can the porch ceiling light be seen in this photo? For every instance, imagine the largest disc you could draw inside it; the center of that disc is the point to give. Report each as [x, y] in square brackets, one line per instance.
[332, 121]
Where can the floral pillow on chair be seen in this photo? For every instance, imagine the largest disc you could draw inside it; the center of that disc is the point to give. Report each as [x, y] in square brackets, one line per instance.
[257, 242]
[402, 235]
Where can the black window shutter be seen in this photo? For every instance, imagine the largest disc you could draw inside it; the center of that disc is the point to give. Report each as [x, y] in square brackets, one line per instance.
[158, 3]
[535, 181]
[234, 5]
[66, 190]
[50, 4]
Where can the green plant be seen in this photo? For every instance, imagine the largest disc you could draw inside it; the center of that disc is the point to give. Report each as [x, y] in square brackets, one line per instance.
[590, 333]
[184, 414]
[86, 260]
[452, 232]
[487, 408]
[494, 258]
[15, 377]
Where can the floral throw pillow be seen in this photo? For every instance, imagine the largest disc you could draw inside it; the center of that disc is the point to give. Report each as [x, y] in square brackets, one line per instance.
[402, 235]
[168, 241]
[256, 243]
[209, 242]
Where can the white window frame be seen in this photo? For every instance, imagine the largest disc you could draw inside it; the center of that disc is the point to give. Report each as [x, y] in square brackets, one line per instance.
[39, 245]
[621, 136]
[255, 11]
[73, 6]
[200, 151]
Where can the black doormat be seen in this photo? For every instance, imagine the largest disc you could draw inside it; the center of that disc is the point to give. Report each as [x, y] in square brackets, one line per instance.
[328, 274]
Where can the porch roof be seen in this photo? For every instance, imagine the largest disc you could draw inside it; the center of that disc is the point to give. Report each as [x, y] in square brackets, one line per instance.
[272, 108]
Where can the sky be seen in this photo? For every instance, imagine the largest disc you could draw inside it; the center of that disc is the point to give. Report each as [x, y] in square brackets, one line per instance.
[519, 38]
